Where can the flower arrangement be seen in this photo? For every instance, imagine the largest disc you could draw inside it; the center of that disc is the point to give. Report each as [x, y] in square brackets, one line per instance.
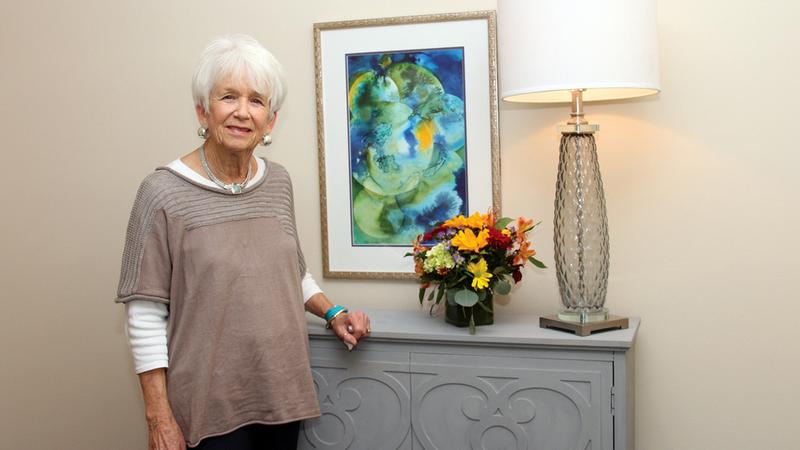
[471, 258]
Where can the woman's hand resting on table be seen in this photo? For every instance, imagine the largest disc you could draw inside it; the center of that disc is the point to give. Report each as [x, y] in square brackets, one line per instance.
[351, 328]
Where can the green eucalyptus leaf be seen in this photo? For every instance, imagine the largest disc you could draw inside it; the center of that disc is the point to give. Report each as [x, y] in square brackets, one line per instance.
[536, 262]
[502, 222]
[466, 298]
[502, 287]
[481, 295]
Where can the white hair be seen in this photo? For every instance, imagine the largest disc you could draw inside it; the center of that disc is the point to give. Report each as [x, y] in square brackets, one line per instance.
[239, 55]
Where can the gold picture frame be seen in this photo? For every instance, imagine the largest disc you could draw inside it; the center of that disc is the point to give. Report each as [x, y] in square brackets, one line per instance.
[474, 33]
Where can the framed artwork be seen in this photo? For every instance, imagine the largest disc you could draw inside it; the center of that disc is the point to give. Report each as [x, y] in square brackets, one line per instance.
[407, 134]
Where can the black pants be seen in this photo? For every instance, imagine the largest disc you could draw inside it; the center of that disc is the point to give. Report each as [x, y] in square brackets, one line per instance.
[255, 437]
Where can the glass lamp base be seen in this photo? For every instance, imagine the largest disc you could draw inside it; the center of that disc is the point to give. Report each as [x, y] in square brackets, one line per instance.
[583, 315]
[580, 232]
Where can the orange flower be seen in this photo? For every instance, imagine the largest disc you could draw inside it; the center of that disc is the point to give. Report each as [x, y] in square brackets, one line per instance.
[467, 240]
[489, 219]
[418, 268]
[524, 253]
[418, 247]
[523, 224]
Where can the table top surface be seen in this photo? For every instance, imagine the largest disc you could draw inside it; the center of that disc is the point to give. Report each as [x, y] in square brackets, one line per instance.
[520, 329]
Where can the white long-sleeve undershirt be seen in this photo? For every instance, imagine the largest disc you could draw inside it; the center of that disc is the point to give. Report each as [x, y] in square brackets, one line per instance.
[146, 326]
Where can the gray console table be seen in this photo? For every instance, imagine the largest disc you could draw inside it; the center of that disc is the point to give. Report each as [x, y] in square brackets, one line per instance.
[419, 383]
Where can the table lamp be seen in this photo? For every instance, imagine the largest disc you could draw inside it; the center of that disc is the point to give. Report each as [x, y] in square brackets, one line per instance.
[553, 51]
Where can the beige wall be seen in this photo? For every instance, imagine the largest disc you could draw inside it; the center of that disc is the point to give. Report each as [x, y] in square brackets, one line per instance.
[701, 184]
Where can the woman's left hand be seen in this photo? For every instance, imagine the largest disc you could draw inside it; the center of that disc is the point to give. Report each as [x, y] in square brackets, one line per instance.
[351, 327]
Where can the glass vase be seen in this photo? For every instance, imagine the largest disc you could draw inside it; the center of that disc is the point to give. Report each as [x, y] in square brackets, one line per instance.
[458, 315]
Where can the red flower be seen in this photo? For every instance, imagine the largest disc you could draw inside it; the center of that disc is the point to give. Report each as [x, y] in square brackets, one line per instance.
[432, 234]
[517, 275]
[497, 239]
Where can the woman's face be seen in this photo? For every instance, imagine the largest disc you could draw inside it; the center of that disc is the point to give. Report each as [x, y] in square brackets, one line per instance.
[237, 116]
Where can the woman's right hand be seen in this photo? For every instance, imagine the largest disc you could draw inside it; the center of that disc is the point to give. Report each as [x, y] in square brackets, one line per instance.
[165, 434]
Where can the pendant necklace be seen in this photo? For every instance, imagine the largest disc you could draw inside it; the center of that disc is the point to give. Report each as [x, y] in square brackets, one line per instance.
[235, 188]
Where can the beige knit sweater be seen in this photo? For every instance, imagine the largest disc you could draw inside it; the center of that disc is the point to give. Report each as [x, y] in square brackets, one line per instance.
[230, 269]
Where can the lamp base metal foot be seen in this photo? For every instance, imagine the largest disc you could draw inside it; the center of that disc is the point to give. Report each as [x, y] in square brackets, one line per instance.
[583, 329]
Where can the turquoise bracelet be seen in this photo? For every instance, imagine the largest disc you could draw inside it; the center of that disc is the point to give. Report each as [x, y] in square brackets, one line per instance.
[334, 311]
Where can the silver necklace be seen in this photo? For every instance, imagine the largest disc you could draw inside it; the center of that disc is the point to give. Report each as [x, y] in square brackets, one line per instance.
[235, 188]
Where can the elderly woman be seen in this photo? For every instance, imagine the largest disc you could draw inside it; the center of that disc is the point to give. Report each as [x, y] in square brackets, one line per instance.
[213, 278]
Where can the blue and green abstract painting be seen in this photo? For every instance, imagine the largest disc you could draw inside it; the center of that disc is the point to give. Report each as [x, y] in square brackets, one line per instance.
[407, 141]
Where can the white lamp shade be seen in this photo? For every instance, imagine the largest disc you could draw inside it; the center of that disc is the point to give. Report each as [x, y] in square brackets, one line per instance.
[549, 47]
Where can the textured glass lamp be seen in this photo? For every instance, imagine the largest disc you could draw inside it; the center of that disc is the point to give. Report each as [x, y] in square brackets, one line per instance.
[553, 51]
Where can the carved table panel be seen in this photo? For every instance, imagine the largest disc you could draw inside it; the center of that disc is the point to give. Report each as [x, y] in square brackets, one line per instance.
[418, 383]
